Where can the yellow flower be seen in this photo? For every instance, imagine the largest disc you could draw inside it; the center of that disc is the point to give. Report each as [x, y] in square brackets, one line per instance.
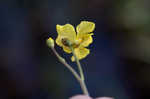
[79, 39]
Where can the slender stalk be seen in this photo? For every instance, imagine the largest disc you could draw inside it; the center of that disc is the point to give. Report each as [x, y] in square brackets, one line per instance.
[62, 60]
[78, 64]
[81, 72]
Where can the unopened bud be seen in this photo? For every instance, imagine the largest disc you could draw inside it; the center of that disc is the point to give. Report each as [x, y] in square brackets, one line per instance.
[50, 42]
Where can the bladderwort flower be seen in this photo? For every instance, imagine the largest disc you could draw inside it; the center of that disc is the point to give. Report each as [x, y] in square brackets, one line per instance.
[75, 41]
[78, 39]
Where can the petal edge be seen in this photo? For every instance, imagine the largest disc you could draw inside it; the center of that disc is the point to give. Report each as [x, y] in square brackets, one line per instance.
[85, 27]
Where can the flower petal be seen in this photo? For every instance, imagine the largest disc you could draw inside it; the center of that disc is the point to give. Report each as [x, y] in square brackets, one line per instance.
[80, 97]
[59, 40]
[66, 31]
[85, 27]
[67, 49]
[86, 39]
[81, 53]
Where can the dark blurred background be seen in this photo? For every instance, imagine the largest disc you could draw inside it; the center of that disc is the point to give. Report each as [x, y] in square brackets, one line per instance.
[118, 65]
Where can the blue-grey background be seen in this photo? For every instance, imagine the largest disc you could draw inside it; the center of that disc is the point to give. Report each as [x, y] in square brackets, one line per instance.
[118, 65]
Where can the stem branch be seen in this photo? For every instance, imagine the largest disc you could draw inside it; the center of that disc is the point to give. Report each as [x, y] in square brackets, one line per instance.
[62, 60]
[81, 81]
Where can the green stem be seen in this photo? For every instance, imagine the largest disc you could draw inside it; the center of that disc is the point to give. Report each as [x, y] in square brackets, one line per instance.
[78, 64]
[62, 60]
[81, 72]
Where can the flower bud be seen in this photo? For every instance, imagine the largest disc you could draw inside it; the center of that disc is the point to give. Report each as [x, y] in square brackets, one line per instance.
[50, 42]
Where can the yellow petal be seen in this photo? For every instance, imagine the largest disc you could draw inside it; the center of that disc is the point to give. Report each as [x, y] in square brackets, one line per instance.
[59, 40]
[81, 53]
[86, 39]
[67, 49]
[66, 31]
[85, 27]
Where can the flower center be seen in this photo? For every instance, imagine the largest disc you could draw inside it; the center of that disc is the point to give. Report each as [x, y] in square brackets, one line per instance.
[75, 44]
[65, 41]
[78, 41]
